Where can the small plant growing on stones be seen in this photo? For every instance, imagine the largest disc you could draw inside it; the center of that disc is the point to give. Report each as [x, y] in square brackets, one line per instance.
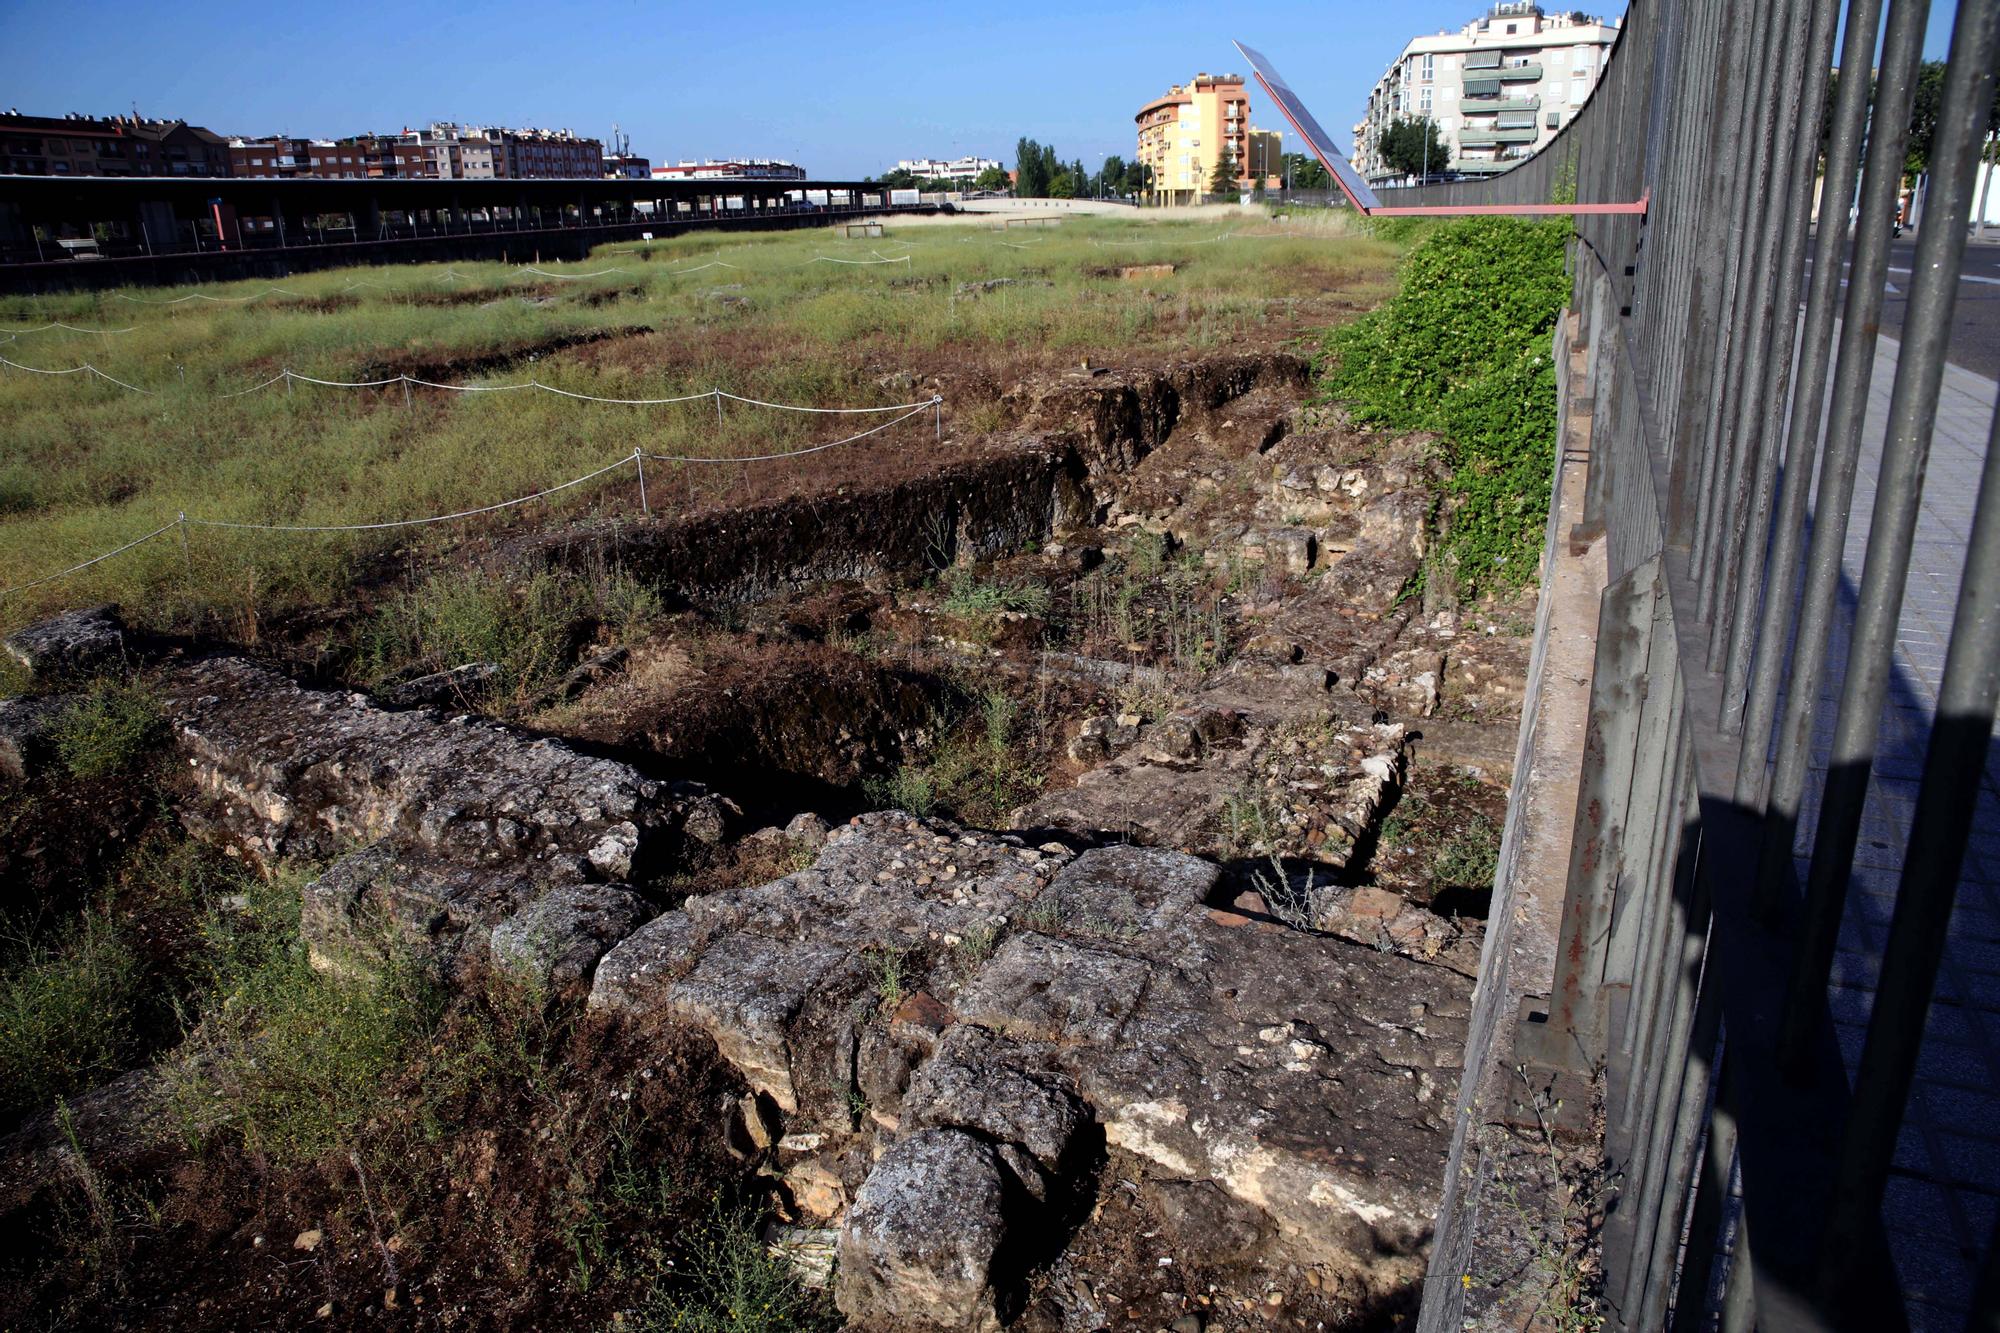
[975, 946]
[889, 980]
[108, 730]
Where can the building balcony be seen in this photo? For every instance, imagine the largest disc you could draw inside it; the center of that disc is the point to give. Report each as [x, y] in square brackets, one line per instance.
[1483, 85]
[1491, 138]
[1522, 73]
[1492, 105]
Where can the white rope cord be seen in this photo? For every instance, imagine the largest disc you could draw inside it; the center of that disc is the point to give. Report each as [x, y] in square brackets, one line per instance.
[626, 402]
[569, 277]
[932, 401]
[713, 263]
[289, 374]
[829, 259]
[200, 296]
[85, 368]
[282, 375]
[183, 521]
[120, 550]
[407, 522]
[58, 324]
[469, 388]
[799, 453]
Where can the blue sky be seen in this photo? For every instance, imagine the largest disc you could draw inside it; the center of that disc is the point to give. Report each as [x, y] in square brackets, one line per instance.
[845, 89]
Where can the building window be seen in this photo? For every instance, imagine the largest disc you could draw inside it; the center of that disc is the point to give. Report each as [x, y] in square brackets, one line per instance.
[1555, 120]
[1510, 28]
[1430, 67]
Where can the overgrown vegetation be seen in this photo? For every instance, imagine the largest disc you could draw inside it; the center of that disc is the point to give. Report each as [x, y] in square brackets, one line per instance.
[91, 466]
[66, 1013]
[110, 729]
[477, 1143]
[731, 1283]
[528, 629]
[979, 770]
[1463, 349]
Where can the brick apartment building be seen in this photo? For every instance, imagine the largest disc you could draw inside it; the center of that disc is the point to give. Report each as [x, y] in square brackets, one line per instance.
[76, 145]
[440, 152]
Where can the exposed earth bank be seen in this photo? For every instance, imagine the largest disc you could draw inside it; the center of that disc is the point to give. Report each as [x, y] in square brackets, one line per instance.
[1145, 1008]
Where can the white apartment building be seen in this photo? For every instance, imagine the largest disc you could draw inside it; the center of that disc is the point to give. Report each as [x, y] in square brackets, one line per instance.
[1498, 89]
[958, 170]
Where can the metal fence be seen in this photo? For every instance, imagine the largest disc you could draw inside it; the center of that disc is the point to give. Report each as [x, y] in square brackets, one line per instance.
[1732, 347]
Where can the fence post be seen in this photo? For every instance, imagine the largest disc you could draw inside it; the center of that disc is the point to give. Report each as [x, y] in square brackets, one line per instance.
[639, 458]
[1573, 1034]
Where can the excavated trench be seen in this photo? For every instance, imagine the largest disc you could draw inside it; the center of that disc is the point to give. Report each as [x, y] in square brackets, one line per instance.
[1156, 614]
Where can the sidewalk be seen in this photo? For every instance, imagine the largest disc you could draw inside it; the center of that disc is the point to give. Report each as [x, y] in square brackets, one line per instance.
[1945, 1190]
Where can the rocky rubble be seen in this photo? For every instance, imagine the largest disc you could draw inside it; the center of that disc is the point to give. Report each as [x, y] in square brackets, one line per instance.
[952, 1027]
[470, 833]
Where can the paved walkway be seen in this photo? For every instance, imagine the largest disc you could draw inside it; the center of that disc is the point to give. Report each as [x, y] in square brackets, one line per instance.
[1945, 1191]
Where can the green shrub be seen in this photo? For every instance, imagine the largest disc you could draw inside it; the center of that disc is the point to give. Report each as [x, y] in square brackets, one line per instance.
[729, 1282]
[528, 629]
[66, 1014]
[1470, 857]
[300, 1059]
[968, 595]
[1463, 349]
[108, 730]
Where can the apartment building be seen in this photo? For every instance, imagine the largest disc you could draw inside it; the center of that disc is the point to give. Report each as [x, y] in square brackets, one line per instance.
[957, 170]
[1192, 126]
[627, 166]
[78, 145]
[440, 152]
[1498, 89]
[742, 168]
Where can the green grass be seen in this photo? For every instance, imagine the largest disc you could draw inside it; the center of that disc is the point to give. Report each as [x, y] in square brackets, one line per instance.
[110, 729]
[67, 1014]
[455, 616]
[729, 1282]
[294, 1060]
[89, 466]
[978, 771]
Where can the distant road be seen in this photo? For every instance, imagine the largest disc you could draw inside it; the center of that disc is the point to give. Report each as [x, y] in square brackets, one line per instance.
[1975, 327]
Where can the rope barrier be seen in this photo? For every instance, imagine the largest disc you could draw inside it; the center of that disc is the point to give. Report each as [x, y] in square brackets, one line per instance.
[801, 453]
[288, 375]
[829, 259]
[120, 550]
[58, 324]
[86, 367]
[403, 522]
[200, 296]
[637, 457]
[570, 277]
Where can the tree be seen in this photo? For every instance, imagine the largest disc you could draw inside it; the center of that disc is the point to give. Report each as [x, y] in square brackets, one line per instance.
[1051, 168]
[1222, 181]
[993, 178]
[902, 178]
[1412, 147]
[1304, 172]
[1111, 179]
[1138, 179]
[1031, 179]
[1063, 186]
